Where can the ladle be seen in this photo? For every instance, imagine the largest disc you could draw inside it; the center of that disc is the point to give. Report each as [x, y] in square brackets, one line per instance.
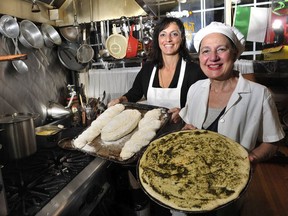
[11, 30]
[104, 51]
[19, 65]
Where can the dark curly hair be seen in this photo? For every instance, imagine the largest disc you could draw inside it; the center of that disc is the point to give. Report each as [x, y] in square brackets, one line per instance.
[156, 55]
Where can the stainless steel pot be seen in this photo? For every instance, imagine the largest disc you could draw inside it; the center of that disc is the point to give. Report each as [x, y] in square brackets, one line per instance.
[17, 135]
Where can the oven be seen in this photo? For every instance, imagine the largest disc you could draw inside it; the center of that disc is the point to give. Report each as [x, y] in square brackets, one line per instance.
[56, 181]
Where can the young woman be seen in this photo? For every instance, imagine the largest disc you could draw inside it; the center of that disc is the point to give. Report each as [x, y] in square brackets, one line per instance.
[165, 79]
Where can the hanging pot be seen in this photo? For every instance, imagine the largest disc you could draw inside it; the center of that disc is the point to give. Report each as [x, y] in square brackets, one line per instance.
[17, 133]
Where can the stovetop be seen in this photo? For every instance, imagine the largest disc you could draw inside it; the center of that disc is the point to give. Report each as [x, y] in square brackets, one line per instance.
[34, 182]
[30, 183]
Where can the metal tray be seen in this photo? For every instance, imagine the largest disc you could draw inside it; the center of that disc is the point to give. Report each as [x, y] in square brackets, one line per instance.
[111, 151]
[183, 211]
[195, 212]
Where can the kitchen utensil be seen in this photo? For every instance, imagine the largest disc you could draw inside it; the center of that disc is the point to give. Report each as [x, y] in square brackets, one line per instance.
[71, 33]
[9, 26]
[30, 35]
[124, 26]
[48, 136]
[13, 57]
[19, 65]
[67, 54]
[104, 51]
[11, 29]
[132, 45]
[85, 52]
[116, 44]
[56, 110]
[50, 35]
[142, 52]
[17, 135]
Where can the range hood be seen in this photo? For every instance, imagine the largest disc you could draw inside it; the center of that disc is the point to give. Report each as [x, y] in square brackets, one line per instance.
[54, 3]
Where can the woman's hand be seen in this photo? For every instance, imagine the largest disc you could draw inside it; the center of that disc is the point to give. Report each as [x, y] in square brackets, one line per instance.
[113, 102]
[175, 118]
[117, 100]
[263, 152]
[189, 127]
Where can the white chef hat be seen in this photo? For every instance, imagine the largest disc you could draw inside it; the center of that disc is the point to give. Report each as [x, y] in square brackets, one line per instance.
[217, 27]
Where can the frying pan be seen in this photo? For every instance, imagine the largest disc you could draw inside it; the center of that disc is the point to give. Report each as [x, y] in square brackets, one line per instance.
[116, 44]
[67, 54]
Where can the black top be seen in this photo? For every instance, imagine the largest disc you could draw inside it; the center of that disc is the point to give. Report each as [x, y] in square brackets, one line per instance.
[193, 73]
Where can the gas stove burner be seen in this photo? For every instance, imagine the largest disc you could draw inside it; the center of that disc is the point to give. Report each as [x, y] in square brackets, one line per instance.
[31, 182]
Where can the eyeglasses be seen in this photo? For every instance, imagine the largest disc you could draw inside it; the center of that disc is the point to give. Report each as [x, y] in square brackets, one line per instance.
[173, 34]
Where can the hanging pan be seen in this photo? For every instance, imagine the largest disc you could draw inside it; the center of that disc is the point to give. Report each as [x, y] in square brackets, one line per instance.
[30, 35]
[50, 35]
[67, 54]
[116, 44]
[9, 26]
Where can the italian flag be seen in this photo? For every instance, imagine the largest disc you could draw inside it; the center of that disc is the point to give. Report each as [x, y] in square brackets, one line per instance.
[252, 22]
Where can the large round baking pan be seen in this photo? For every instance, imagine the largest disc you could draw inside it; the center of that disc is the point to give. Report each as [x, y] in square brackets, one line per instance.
[184, 211]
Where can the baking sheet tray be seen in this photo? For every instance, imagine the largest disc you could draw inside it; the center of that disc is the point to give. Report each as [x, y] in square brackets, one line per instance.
[111, 150]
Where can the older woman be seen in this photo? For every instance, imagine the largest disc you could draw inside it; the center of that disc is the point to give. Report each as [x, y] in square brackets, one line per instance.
[226, 102]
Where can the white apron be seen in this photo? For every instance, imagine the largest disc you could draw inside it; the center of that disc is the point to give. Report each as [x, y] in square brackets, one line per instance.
[165, 97]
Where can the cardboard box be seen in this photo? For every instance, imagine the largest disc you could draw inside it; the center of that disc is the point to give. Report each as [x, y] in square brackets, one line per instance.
[275, 53]
[55, 14]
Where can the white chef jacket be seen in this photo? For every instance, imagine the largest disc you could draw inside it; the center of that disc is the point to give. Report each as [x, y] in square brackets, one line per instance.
[165, 97]
[250, 114]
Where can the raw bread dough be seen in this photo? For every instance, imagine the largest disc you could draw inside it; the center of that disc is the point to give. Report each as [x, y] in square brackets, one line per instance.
[121, 125]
